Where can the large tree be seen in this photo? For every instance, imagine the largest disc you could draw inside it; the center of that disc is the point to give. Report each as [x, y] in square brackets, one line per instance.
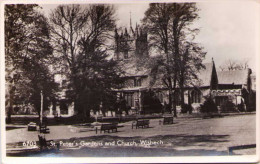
[27, 56]
[79, 35]
[172, 37]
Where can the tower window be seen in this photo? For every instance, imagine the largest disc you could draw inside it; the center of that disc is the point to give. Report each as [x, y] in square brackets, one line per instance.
[126, 54]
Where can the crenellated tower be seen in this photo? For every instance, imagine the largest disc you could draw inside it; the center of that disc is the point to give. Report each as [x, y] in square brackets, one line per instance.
[130, 43]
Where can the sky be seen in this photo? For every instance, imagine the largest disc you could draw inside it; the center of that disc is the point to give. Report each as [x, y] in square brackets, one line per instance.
[228, 30]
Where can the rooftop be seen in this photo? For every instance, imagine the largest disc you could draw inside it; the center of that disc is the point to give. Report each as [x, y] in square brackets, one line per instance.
[238, 77]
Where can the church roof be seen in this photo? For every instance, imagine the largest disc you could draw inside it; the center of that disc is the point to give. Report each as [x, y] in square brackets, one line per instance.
[131, 68]
[238, 77]
[205, 74]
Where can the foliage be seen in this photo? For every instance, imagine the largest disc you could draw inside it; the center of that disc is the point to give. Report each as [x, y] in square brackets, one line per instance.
[241, 106]
[208, 106]
[151, 103]
[228, 106]
[185, 108]
[28, 55]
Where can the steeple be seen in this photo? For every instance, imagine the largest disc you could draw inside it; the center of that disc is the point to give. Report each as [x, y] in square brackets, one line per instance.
[136, 30]
[131, 28]
[130, 20]
[116, 34]
[126, 33]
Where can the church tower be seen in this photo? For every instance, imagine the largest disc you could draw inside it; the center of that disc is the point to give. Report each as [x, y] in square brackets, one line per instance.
[130, 43]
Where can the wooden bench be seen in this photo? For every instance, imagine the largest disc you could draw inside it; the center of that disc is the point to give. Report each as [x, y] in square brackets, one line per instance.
[43, 128]
[167, 120]
[108, 127]
[141, 123]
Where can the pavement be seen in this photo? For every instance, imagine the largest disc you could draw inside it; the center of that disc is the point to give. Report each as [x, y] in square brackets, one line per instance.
[193, 135]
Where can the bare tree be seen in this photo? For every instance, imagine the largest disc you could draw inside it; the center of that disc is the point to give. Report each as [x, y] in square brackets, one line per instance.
[80, 35]
[170, 35]
[157, 21]
[231, 65]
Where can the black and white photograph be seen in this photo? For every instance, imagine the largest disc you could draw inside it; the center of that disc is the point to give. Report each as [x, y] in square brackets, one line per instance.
[129, 79]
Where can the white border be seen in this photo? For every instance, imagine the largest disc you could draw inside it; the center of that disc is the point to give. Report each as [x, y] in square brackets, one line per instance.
[184, 159]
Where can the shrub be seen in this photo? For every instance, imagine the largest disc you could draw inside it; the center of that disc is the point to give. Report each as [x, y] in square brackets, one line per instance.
[151, 104]
[186, 108]
[228, 106]
[208, 106]
[241, 107]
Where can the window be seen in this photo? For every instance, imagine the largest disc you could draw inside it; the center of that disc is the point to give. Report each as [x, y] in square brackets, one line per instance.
[126, 54]
[63, 83]
[137, 82]
[195, 96]
[159, 95]
[177, 96]
[129, 99]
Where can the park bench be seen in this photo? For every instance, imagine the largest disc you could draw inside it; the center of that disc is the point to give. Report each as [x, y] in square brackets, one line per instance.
[240, 147]
[141, 123]
[108, 127]
[43, 128]
[167, 120]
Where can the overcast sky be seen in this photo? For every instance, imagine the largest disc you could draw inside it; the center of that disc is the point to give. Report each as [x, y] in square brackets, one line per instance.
[227, 30]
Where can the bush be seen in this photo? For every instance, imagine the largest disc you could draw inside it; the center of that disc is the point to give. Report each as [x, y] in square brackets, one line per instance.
[208, 106]
[151, 104]
[186, 108]
[241, 107]
[228, 106]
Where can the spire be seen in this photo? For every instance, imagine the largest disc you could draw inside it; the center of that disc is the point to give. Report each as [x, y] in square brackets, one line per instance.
[116, 34]
[130, 20]
[126, 33]
[136, 30]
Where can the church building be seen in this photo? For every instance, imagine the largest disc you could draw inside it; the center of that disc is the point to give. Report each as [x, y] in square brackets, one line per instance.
[222, 86]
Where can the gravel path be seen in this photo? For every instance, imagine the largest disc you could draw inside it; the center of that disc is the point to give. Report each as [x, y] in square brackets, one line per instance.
[185, 135]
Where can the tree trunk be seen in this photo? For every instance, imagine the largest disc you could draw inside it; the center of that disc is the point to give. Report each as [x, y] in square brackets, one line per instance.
[174, 99]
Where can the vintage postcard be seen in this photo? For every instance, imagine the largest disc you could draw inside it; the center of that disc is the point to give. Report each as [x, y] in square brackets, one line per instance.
[150, 81]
